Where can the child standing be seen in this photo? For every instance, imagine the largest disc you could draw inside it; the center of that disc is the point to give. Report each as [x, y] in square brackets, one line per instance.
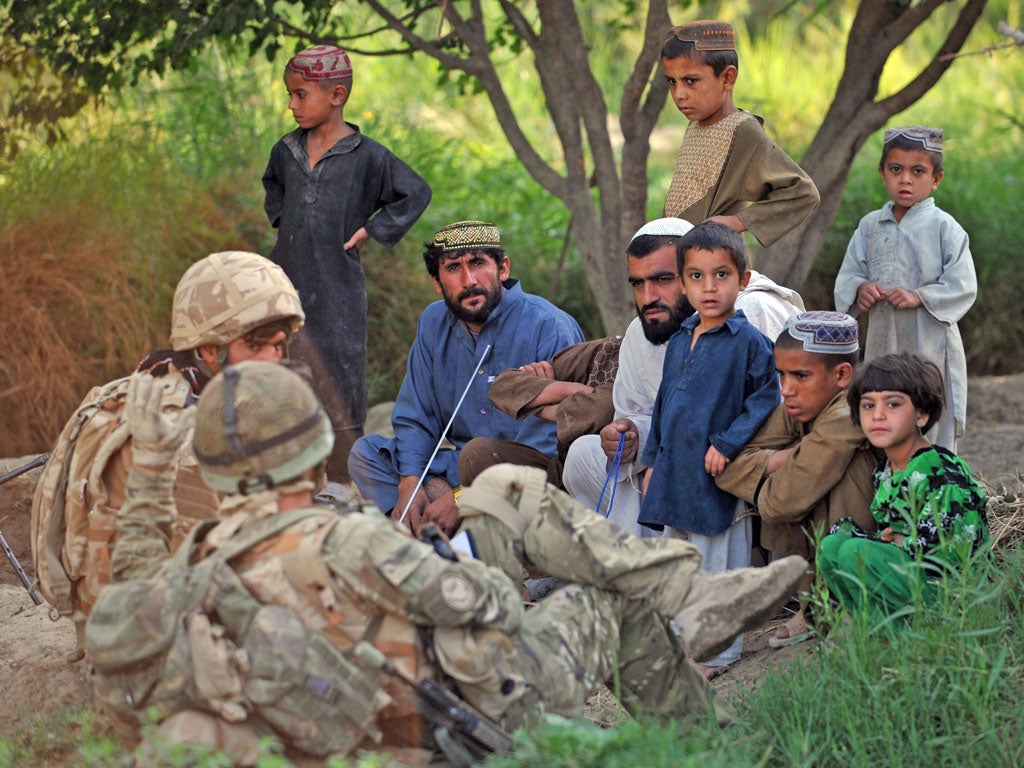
[929, 508]
[909, 267]
[329, 189]
[728, 169]
[718, 385]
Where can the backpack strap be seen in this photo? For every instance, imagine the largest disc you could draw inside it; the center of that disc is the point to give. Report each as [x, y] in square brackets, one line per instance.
[248, 537]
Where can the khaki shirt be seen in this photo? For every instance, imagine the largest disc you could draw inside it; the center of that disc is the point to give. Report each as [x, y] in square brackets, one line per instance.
[734, 168]
[827, 477]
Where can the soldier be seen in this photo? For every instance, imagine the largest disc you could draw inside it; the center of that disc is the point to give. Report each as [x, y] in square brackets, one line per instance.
[261, 436]
[228, 307]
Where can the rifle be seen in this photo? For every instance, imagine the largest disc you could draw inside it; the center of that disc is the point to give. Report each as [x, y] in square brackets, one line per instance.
[466, 736]
[38, 461]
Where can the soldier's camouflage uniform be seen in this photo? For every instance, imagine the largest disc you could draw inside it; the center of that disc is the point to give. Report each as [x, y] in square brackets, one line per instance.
[357, 577]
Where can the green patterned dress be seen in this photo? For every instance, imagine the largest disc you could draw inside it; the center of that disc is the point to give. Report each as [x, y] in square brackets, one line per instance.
[936, 504]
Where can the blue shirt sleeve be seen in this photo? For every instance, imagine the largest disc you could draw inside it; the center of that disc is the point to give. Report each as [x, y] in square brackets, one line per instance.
[763, 396]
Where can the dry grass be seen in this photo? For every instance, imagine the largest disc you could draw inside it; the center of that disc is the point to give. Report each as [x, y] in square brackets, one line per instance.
[1006, 516]
[91, 245]
[397, 290]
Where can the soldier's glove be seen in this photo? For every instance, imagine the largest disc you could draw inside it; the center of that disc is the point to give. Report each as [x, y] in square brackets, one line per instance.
[160, 419]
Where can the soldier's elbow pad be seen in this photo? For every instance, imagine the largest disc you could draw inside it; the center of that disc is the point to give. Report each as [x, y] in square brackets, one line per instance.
[456, 596]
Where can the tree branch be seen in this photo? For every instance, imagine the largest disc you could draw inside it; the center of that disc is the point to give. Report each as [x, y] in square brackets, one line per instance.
[409, 20]
[930, 75]
[1004, 29]
[636, 117]
[483, 69]
[591, 103]
[417, 43]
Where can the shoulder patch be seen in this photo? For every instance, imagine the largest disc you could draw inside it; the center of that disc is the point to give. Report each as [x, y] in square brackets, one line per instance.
[457, 592]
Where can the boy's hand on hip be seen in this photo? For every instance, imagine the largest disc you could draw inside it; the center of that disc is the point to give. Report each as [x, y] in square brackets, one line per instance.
[357, 240]
[732, 222]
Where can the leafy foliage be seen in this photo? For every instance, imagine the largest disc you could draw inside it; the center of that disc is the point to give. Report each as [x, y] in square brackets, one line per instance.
[32, 99]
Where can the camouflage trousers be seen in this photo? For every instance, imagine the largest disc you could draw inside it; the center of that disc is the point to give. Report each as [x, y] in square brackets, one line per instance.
[610, 626]
[527, 527]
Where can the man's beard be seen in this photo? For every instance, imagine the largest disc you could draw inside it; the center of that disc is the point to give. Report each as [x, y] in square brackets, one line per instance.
[659, 332]
[475, 316]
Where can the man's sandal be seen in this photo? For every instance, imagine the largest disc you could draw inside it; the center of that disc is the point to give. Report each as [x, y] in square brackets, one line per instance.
[792, 632]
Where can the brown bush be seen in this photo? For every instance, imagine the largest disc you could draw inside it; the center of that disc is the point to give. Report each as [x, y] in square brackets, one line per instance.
[90, 252]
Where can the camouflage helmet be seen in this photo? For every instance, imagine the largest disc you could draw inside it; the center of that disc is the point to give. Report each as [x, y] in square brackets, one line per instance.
[259, 425]
[228, 294]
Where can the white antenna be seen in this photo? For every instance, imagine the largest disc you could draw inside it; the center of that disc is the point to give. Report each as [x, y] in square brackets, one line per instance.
[444, 432]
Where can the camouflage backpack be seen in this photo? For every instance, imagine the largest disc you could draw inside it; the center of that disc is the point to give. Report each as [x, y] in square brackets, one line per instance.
[194, 638]
[79, 493]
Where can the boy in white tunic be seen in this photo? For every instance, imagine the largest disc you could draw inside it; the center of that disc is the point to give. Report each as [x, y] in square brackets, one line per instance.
[909, 267]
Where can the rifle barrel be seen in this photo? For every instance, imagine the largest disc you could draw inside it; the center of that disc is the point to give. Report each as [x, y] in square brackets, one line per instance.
[38, 461]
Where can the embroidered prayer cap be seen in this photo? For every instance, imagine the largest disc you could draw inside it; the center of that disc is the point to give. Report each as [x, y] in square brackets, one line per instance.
[706, 35]
[668, 226]
[829, 333]
[466, 236]
[929, 138]
[321, 62]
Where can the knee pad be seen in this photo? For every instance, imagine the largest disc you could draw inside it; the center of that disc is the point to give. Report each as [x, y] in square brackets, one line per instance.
[239, 741]
[497, 508]
[511, 493]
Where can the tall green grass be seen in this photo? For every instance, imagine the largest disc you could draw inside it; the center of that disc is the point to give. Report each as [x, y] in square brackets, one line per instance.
[943, 685]
[940, 686]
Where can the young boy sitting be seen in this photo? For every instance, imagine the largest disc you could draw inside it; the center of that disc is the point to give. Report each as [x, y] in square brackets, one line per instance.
[808, 466]
[718, 386]
[929, 507]
[909, 266]
[728, 169]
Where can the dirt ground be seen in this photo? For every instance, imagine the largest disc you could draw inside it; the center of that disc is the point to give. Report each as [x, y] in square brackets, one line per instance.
[36, 678]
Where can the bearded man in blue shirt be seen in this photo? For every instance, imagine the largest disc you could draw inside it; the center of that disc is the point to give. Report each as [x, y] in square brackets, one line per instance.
[480, 306]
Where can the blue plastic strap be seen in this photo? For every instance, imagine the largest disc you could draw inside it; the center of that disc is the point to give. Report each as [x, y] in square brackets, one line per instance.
[613, 471]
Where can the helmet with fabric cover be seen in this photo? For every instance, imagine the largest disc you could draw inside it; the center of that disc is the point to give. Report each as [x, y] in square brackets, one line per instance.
[228, 294]
[259, 425]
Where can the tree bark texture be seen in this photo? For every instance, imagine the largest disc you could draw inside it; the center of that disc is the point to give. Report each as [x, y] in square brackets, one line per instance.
[605, 192]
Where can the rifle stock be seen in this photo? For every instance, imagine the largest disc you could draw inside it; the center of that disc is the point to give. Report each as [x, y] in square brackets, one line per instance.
[465, 735]
[22, 576]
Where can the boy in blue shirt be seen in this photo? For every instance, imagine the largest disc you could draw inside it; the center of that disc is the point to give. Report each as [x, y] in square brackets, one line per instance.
[718, 386]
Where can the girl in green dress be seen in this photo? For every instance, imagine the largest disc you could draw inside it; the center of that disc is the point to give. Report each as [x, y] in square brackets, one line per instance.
[929, 508]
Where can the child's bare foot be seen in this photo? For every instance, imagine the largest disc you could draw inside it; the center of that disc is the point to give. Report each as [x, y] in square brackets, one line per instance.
[708, 672]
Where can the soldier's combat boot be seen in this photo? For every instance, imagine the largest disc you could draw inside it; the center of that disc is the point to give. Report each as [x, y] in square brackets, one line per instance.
[719, 606]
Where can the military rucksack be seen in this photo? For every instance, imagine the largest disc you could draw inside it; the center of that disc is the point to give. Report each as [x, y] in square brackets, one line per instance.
[79, 493]
[194, 638]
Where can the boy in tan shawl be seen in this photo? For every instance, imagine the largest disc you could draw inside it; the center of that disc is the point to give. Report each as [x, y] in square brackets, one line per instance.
[728, 169]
